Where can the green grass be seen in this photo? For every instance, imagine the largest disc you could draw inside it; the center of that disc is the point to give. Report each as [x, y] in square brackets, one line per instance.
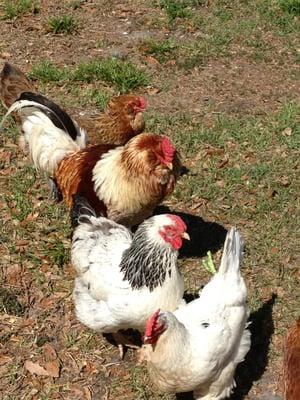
[179, 8]
[63, 24]
[15, 8]
[162, 50]
[122, 74]
[46, 71]
[19, 199]
[229, 27]
[290, 6]
[254, 136]
[58, 254]
[99, 98]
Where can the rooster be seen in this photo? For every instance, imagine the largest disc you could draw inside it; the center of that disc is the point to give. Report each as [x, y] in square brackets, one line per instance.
[121, 120]
[124, 278]
[198, 347]
[124, 183]
[291, 363]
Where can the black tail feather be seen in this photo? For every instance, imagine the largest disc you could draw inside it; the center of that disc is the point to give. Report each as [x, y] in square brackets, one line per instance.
[81, 209]
[58, 116]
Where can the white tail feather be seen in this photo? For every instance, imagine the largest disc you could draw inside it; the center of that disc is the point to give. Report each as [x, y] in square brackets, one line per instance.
[18, 105]
[232, 253]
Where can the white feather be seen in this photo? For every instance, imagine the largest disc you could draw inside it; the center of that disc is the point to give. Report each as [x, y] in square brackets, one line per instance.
[48, 145]
[207, 338]
[104, 300]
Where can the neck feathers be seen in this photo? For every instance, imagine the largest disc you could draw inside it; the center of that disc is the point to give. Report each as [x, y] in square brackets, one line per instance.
[123, 180]
[147, 264]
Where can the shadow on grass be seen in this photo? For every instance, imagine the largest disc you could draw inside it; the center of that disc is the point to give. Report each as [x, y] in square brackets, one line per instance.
[252, 369]
[204, 235]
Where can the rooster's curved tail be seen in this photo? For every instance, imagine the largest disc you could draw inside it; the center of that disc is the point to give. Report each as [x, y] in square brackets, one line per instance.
[48, 130]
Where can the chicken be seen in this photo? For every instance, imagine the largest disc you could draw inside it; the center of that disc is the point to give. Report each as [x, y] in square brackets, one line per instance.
[124, 278]
[121, 120]
[124, 183]
[198, 346]
[291, 363]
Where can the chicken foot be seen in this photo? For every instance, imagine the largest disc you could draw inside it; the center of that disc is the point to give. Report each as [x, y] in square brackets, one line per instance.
[54, 192]
[123, 341]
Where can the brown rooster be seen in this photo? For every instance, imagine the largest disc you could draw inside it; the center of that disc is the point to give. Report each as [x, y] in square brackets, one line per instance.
[291, 363]
[124, 183]
[121, 120]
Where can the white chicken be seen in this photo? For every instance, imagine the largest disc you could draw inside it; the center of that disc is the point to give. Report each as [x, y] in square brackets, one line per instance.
[124, 278]
[198, 347]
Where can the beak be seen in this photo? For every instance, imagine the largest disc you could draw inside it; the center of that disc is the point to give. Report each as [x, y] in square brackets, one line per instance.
[146, 340]
[170, 166]
[186, 236]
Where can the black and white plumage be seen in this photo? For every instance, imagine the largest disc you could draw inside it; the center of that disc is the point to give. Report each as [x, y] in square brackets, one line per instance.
[48, 131]
[123, 278]
[56, 114]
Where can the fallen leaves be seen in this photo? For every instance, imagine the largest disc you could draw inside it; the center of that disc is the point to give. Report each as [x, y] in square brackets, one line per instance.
[35, 368]
[5, 360]
[50, 368]
[287, 132]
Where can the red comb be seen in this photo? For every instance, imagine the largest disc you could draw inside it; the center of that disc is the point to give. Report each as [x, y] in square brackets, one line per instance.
[151, 324]
[143, 103]
[178, 221]
[168, 149]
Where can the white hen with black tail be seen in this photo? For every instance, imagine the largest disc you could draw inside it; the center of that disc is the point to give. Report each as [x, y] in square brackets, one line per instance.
[198, 347]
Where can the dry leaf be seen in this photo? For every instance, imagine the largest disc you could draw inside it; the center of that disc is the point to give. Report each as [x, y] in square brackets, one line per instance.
[87, 393]
[32, 216]
[151, 91]
[5, 359]
[274, 250]
[287, 132]
[49, 352]
[152, 60]
[52, 367]
[35, 368]
[5, 55]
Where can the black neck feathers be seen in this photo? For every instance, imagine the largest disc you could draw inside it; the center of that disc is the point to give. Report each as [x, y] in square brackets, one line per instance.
[147, 264]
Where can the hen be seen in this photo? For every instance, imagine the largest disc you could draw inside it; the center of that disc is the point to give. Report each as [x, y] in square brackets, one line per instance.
[125, 183]
[291, 363]
[121, 119]
[124, 278]
[198, 347]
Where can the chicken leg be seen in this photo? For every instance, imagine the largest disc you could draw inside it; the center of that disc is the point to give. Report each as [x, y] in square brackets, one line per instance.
[123, 341]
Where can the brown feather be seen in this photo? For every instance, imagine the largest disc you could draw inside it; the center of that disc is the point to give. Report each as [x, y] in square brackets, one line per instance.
[291, 363]
[74, 176]
[116, 125]
[143, 182]
[12, 83]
